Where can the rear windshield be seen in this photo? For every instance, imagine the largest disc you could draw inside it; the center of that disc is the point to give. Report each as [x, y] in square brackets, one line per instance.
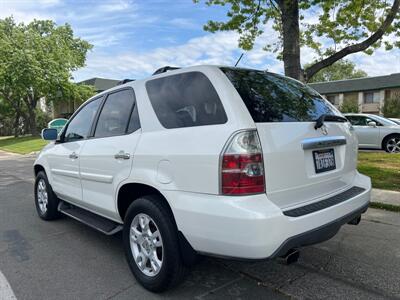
[274, 98]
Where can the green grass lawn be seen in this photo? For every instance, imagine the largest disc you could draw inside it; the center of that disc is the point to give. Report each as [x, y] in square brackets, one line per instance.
[22, 145]
[383, 168]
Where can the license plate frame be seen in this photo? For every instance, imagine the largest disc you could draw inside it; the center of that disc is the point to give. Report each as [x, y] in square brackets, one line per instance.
[324, 160]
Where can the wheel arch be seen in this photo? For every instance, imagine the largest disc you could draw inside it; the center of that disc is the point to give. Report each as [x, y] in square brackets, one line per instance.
[129, 192]
[37, 168]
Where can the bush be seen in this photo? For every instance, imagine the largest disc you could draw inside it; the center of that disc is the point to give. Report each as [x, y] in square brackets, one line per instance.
[391, 108]
[349, 106]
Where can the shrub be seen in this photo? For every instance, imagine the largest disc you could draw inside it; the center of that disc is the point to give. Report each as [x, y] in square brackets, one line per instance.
[349, 106]
[391, 108]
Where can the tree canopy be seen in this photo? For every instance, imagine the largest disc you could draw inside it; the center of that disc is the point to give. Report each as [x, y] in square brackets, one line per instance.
[36, 61]
[342, 69]
[333, 29]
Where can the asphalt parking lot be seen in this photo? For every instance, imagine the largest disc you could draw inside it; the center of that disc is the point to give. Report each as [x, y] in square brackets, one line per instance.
[67, 260]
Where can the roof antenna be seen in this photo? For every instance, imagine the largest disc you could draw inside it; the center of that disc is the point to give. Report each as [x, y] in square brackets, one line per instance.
[241, 55]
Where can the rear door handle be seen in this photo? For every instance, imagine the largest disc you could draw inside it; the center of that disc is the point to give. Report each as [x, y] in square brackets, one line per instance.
[122, 155]
[73, 155]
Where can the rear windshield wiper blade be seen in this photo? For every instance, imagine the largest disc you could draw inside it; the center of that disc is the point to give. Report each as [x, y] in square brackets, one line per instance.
[327, 117]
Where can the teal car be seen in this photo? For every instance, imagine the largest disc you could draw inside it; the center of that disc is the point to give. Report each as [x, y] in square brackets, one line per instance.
[57, 124]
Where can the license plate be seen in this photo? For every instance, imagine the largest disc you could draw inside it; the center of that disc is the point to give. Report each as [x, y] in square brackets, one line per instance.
[324, 160]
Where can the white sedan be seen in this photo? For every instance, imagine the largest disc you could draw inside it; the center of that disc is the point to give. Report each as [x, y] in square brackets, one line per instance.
[376, 132]
[397, 121]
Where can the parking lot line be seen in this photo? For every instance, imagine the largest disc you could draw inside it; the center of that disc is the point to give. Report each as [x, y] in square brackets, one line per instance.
[6, 293]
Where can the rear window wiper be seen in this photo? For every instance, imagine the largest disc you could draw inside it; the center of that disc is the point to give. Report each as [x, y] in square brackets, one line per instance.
[327, 117]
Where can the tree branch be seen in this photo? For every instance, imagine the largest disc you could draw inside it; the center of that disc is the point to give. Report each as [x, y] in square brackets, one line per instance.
[310, 72]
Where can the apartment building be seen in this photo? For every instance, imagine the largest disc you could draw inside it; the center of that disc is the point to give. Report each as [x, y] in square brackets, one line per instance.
[368, 92]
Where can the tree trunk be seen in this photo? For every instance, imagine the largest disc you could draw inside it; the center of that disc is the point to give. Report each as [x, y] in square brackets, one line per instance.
[16, 124]
[32, 121]
[291, 38]
[31, 103]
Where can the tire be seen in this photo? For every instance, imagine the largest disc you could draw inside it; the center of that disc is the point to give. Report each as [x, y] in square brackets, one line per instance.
[152, 210]
[390, 142]
[46, 211]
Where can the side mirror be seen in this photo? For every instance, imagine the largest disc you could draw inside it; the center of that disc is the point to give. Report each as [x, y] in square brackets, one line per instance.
[49, 134]
[372, 124]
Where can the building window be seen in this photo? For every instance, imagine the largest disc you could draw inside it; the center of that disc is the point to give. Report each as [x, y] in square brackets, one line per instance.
[371, 97]
[334, 99]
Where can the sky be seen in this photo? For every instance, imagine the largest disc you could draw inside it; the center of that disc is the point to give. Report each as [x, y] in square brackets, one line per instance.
[132, 39]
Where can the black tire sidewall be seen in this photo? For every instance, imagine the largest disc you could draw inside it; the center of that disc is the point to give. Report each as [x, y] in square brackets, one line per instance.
[171, 254]
[52, 204]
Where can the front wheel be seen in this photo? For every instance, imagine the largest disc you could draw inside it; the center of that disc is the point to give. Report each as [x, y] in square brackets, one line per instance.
[392, 144]
[46, 201]
[151, 244]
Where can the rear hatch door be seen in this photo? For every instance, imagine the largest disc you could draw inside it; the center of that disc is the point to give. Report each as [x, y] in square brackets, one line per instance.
[303, 162]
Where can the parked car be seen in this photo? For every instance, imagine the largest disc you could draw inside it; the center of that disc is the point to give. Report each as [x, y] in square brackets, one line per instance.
[222, 161]
[57, 124]
[376, 132]
[397, 121]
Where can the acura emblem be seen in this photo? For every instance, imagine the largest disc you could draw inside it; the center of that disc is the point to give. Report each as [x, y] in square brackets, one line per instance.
[324, 130]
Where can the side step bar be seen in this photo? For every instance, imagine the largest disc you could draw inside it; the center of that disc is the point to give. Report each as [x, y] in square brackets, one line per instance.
[97, 222]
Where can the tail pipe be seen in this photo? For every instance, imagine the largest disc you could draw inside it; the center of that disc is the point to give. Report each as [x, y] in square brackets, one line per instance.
[291, 257]
[355, 221]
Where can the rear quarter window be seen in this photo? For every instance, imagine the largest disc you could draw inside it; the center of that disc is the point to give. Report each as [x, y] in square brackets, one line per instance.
[185, 100]
[274, 98]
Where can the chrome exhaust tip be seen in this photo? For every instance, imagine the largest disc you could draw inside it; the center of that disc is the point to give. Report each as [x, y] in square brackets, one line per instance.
[291, 257]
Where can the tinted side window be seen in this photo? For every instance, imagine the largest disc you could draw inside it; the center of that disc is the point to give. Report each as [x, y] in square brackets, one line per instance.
[358, 121]
[134, 122]
[185, 100]
[273, 98]
[353, 120]
[79, 127]
[114, 116]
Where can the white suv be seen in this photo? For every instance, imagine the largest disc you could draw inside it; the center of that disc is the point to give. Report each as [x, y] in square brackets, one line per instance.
[213, 160]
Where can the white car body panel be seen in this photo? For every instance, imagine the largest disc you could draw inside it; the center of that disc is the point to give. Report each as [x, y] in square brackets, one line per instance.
[65, 178]
[101, 173]
[183, 165]
[290, 174]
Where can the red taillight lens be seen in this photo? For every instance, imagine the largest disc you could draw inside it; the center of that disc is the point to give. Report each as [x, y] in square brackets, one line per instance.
[242, 168]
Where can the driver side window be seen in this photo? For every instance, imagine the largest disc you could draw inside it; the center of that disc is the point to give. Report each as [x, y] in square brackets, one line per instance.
[79, 127]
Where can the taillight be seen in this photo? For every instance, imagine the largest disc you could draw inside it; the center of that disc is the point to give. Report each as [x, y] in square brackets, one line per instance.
[242, 166]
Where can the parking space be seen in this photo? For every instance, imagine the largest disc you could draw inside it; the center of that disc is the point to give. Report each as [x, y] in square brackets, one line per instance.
[67, 260]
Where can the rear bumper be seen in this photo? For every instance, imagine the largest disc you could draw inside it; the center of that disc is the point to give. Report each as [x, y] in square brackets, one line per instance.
[252, 227]
[318, 235]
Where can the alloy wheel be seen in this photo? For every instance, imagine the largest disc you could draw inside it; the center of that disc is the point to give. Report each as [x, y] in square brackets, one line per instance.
[146, 245]
[42, 196]
[393, 145]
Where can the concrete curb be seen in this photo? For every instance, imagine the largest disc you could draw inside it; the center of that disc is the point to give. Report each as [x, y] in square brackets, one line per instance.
[385, 197]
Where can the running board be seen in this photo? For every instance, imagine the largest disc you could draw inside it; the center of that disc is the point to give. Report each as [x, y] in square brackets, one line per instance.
[90, 219]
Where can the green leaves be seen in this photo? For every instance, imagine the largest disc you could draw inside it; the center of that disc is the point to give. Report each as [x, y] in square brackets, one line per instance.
[36, 59]
[245, 17]
[326, 26]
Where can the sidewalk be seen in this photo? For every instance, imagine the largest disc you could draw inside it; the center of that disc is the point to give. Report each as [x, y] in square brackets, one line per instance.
[386, 197]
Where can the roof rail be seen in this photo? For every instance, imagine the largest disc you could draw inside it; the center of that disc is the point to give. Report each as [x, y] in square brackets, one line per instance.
[164, 69]
[123, 81]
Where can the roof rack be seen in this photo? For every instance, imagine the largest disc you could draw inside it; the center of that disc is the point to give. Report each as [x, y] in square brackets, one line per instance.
[164, 69]
[123, 81]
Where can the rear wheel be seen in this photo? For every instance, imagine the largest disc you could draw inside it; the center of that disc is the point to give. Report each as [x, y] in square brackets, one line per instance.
[151, 244]
[392, 144]
[46, 201]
